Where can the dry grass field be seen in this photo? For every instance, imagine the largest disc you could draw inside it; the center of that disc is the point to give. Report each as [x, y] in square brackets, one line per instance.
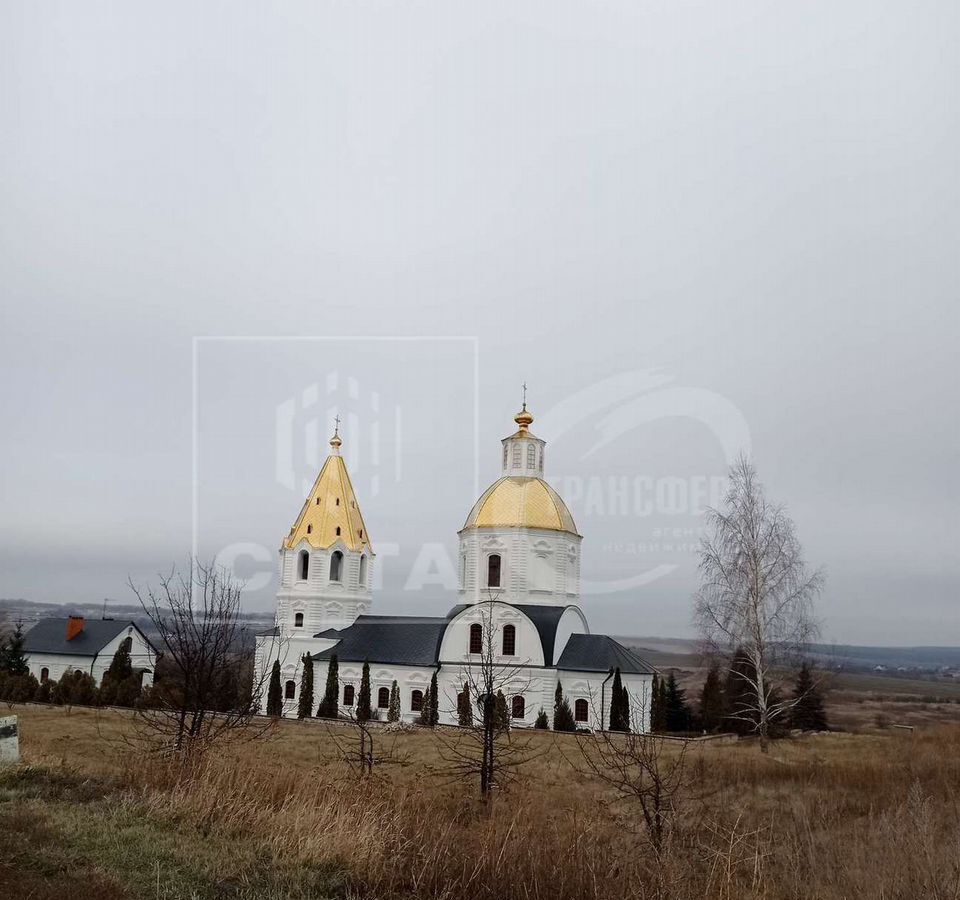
[828, 816]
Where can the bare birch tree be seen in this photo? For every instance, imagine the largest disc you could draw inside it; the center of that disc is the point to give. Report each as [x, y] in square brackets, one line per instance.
[197, 614]
[756, 595]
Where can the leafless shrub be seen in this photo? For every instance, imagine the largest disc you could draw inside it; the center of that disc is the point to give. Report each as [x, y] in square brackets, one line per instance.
[197, 614]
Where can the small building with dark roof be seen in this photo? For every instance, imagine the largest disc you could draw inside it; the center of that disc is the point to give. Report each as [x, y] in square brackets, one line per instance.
[73, 643]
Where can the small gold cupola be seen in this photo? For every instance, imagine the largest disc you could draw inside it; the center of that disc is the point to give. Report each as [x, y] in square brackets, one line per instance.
[331, 514]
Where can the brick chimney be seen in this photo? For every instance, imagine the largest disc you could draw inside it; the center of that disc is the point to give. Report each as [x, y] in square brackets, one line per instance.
[75, 626]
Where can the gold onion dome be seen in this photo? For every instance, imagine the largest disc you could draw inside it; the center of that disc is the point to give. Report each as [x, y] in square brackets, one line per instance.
[524, 418]
[521, 502]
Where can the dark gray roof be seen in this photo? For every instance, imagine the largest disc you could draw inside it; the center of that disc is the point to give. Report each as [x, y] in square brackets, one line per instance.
[50, 636]
[545, 619]
[396, 640]
[599, 653]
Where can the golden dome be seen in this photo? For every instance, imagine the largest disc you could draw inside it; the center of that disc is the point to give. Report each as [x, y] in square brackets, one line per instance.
[524, 418]
[518, 502]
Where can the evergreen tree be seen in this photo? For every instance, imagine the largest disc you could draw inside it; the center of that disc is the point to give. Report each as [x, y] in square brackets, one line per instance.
[120, 665]
[712, 701]
[618, 721]
[464, 707]
[807, 713]
[329, 707]
[424, 717]
[655, 703]
[625, 707]
[393, 711]
[677, 711]
[434, 717]
[363, 699]
[274, 693]
[542, 723]
[305, 706]
[562, 714]
[739, 704]
[12, 659]
[501, 713]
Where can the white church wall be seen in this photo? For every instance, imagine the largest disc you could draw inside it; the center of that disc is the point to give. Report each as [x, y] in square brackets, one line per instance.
[455, 647]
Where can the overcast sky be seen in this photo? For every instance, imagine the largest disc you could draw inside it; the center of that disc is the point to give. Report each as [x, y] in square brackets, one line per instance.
[691, 228]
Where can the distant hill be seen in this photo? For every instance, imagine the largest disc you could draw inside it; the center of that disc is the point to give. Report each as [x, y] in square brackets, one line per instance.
[684, 653]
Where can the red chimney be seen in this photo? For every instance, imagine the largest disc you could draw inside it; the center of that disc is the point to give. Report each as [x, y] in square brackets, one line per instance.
[75, 626]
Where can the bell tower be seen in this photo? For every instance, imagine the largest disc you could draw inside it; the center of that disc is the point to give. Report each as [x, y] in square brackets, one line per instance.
[326, 561]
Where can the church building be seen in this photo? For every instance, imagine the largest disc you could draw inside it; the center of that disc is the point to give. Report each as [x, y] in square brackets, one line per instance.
[518, 612]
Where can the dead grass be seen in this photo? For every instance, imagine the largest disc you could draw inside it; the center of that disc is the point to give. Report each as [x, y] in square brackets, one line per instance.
[828, 816]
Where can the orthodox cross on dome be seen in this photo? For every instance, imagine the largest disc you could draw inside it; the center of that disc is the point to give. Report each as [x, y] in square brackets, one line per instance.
[335, 441]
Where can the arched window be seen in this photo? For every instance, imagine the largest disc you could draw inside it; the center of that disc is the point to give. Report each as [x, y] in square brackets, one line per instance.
[383, 698]
[493, 570]
[338, 531]
[303, 565]
[363, 570]
[505, 451]
[336, 566]
[476, 638]
[127, 644]
[289, 690]
[580, 710]
[348, 695]
[518, 707]
[516, 456]
[361, 534]
[318, 501]
[309, 529]
[416, 701]
[531, 456]
[44, 674]
[298, 620]
[338, 501]
[509, 640]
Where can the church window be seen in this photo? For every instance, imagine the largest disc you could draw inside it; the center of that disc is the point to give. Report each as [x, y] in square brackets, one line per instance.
[338, 531]
[531, 456]
[298, 620]
[518, 707]
[416, 701]
[44, 674]
[338, 501]
[363, 570]
[516, 456]
[303, 565]
[336, 566]
[505, 452]
[309, 529]
[493, 570]
[509, 640]
[348, 695]
[476, 638]
[383, 698]
[361, 534]
[289, 690]
[580, 710]
[318, 501]
[127, 644]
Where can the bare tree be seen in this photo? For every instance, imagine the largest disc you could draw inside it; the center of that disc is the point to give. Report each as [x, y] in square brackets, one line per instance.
[644, 769]
[487, 747]
[197, 614]
[756, 595]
